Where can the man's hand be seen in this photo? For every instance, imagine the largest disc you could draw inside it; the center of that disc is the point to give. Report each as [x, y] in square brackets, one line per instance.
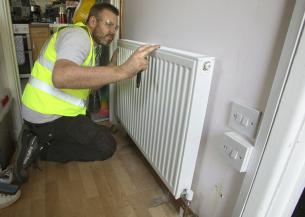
[138, 61]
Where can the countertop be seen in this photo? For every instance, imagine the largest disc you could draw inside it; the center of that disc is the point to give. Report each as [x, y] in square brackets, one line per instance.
[51, 25]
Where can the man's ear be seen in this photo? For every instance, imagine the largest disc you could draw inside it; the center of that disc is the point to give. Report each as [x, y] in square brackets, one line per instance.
[92, 21]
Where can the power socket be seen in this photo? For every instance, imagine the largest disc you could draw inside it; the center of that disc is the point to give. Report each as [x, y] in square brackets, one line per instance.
[244, 120]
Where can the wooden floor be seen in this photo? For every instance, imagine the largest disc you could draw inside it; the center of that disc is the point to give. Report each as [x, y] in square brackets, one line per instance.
[119, 187]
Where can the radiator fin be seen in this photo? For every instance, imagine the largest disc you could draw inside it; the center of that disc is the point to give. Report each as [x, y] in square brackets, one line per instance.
[158, 114]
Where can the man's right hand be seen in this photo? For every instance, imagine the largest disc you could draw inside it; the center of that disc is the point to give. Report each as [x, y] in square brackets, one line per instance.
[138, 61]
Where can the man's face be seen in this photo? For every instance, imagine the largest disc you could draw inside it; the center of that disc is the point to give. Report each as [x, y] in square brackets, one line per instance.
[105, 28]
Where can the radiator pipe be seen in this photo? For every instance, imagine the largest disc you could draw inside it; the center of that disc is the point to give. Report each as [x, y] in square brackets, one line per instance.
[187, 197]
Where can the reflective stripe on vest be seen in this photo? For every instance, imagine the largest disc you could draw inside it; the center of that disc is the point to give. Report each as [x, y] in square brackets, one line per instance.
[56, 92]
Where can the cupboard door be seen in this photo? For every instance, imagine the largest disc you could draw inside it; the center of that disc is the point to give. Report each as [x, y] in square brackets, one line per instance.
[39, 35]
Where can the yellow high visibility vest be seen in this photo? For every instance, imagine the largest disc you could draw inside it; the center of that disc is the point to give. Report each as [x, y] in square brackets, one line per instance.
[40, 95]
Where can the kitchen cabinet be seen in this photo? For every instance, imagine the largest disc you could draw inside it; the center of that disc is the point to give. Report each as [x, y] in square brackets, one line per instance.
[39, 35]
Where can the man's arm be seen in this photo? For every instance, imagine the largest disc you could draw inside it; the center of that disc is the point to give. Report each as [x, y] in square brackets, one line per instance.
[69, 75]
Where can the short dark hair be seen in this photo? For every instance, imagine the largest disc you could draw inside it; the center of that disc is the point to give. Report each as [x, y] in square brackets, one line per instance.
[99, 7]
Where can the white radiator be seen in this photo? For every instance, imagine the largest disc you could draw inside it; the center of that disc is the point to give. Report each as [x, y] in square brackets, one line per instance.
[165, 115]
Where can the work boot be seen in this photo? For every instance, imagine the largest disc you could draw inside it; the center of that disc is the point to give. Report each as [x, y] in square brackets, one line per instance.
[27, 153]
[8, 199]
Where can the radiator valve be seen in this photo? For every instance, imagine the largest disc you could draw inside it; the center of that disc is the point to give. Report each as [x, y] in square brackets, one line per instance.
[207, 65]
[187, 197]
[188, 194]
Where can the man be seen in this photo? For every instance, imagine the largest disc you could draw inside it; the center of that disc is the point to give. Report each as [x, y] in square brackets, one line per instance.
[54, 107]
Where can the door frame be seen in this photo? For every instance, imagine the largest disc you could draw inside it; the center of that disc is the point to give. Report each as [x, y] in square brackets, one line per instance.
[112, 87]
[262, 186]
[10, 63]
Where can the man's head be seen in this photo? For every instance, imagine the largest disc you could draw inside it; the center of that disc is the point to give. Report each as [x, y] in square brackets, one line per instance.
[103, 22]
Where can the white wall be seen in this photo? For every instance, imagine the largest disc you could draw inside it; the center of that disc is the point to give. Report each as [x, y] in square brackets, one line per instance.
[246, 37]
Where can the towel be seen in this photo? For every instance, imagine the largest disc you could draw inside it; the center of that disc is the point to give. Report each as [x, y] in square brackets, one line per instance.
[19, 49]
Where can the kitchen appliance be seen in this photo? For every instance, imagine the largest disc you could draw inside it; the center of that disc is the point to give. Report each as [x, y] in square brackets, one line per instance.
[23, 49]
[20, 11]
[35, 13]
[21, 14]
[51, 12]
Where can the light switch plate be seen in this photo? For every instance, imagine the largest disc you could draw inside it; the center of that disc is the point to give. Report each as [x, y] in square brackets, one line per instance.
[236, 150]
[244, 120]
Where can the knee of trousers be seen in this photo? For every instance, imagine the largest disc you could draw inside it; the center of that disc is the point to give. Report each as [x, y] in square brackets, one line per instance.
[107, 146]
[111, 150]
[112, 146]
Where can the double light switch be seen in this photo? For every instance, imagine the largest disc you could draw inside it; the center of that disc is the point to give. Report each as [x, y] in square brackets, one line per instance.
[237, 150]
[244, 120]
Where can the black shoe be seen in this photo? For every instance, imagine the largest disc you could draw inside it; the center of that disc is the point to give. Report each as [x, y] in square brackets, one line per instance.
[27, 153]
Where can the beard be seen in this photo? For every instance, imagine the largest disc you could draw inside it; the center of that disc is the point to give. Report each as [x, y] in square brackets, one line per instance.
[102, 39]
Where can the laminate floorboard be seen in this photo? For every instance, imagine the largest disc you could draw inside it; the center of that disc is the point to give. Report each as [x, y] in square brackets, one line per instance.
[122, 186]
